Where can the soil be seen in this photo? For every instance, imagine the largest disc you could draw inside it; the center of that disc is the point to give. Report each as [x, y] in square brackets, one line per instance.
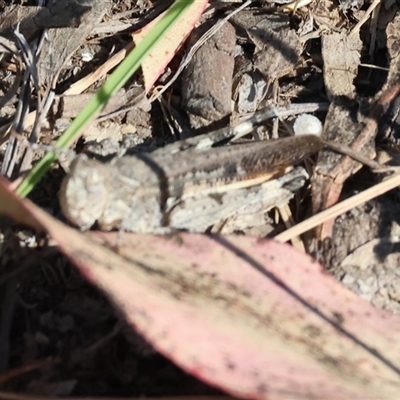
[263, 55]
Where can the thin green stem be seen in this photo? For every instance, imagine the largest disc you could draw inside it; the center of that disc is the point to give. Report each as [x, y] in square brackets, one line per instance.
[115, 82]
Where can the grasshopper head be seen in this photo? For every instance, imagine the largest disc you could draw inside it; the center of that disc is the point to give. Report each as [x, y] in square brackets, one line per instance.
[83, 192]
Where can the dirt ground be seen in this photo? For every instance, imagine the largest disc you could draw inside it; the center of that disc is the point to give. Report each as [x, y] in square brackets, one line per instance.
[58, 335]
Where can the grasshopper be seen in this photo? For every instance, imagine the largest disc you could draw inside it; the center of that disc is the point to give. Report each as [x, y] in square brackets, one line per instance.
[192, 184]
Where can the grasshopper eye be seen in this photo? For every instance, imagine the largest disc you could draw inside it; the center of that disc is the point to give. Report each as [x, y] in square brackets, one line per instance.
[83, 193]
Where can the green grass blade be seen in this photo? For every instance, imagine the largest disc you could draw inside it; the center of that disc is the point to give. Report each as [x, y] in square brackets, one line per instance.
[115, 82]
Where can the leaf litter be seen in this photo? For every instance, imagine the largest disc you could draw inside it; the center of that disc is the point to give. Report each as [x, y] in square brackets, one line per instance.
[276, 58]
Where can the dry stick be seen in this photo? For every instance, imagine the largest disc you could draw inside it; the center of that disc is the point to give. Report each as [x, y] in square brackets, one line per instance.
[346, 150]
[81, 85]
[340, 172]
[287, 218]
[388, 96]
[5, 129]
[372, 30]
[77, 88]
[340, 208]
[294, 5]
[23, 369]
[321, 217]
[365, 17]
[346, 205]
[13, 149]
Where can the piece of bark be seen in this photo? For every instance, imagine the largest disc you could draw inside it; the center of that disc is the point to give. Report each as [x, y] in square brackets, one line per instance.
[71, 106]
[361, 258]
[280, 53]
[341, 55]
[344, 127]
[207, 81]
[330, 185]
[332, 169]
[393, 46]
[278, 48]
[389, 126]
[61, 43]
[13, 15]
[32, 19]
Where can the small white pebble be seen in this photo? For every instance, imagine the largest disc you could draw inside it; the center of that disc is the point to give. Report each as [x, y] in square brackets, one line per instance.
[86, 56]
[307, 124]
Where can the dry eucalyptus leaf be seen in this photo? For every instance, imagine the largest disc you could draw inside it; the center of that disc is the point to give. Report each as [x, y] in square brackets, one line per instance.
[341, 55]
[254, 318]
[161, 54]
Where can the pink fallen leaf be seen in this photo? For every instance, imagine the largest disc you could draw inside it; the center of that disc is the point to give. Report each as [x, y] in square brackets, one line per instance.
[12, 207]
[161, 54]
[253, 317]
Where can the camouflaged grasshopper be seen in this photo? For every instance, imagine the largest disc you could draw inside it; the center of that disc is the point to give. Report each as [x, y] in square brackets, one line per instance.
[192, 184]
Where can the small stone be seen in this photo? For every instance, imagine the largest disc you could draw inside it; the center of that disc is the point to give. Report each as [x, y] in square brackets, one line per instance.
[307, 124]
